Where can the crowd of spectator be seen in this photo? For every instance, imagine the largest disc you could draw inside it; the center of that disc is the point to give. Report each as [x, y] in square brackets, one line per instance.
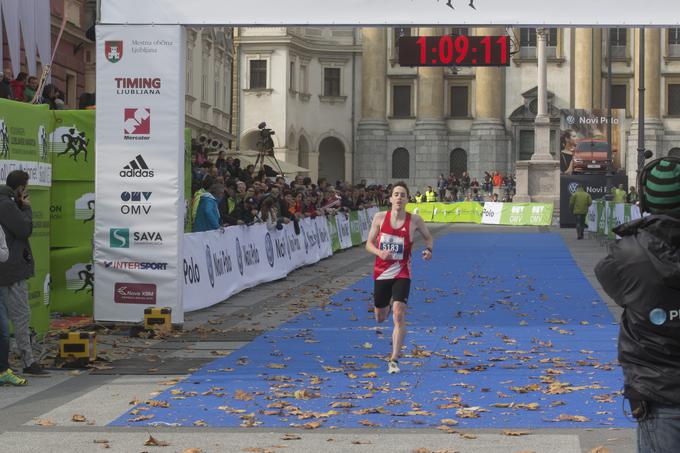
[494, 187]
[24, 88]
[225, 192]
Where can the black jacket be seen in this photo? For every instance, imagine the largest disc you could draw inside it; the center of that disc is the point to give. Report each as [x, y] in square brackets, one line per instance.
[18, 226]
[642, 275]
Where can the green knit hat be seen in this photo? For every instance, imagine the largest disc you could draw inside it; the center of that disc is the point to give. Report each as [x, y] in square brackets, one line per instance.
[662, 187]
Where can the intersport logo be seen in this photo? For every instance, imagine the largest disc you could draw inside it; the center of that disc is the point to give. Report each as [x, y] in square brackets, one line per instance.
[137, 123]
[136, 265]
[137, 168]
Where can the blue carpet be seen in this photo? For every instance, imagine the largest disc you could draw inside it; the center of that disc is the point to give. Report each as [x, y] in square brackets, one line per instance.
[504, 331]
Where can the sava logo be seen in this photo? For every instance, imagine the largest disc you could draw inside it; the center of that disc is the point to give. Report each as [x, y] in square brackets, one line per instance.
[120, 238]
[137, 168]
[239, 256]
[137, 124]
[269, 248]
[135, 203]
[209, 265]
[191, 273]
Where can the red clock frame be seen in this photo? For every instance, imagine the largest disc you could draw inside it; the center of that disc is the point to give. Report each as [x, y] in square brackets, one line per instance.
[450, 50]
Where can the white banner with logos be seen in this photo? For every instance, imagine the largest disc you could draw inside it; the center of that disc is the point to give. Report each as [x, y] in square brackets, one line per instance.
[390, 12]
[140, 150]
[342, 221]
[218, 264]
[40, 173]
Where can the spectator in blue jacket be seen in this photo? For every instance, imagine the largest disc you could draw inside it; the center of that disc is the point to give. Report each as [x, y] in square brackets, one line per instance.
[208, 214]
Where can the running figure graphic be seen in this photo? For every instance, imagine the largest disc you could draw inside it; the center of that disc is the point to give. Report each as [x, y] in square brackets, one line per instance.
[75, 142]
[390, 240]
[88, 277]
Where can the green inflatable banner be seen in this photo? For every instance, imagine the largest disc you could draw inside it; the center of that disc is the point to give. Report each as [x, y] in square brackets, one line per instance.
[72, 145]
[333, 231]
[355, 228]
[72, 213]
[72, 280]
[24, 146]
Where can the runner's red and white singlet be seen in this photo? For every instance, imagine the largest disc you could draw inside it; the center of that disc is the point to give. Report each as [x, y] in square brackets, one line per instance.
[398, 243]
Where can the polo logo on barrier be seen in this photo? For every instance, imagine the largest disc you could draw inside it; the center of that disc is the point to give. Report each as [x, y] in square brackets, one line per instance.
[113, 51]
[304, 238]
[239, 256]
[269, 248]
[318, 236]
[209, 265]
[191, 272]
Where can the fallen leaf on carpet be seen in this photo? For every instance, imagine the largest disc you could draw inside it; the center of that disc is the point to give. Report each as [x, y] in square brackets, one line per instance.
[153, 442]
[78, 418]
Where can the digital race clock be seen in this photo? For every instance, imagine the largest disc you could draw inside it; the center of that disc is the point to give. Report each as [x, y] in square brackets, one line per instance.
[450, 50]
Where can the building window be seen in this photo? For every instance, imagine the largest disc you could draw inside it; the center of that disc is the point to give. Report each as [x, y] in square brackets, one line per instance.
[204, 79]
[400, 164]
[674, 99]
[458, 162]
[619, 96]
[674, 42]
[459, 101]
[291, 76]
[527, 42]
[70, 92]
[304, 88]
[526, 144]
[258, 74]
[618, 38]
[331, 81]
[190, 71]
[401, 101]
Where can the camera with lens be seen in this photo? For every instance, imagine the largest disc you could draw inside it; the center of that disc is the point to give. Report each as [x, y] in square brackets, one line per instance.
[266, 143]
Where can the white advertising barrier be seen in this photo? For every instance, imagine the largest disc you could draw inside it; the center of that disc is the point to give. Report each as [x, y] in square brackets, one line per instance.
[342, 220]
[591, 220]
[364, 224]
[491, 213]
[218, 264]
[140, 148]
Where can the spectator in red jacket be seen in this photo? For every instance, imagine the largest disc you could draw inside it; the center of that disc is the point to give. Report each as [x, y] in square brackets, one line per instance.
[18, 86]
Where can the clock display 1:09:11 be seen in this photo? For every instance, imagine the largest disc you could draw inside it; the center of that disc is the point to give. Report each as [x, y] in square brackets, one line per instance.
[454, 50]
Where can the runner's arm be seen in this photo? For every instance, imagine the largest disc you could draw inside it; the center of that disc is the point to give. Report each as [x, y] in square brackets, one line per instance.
[373, 235]
[429, 241]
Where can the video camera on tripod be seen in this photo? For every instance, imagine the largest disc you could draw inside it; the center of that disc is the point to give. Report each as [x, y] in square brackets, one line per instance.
[265, 144]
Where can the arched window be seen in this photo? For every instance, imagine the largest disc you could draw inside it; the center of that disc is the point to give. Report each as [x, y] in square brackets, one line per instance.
[400, 163]
[674, 152]
[458, 162]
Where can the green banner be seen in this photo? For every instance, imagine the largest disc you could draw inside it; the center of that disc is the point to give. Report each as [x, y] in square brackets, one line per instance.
[72, 145]
[72, 213]
[611, 220]
[424, 210]
[463, 212]
[333, 231]
[38, 285]
[355, 228]
[526, 214]
[72, 280]
[39, 299]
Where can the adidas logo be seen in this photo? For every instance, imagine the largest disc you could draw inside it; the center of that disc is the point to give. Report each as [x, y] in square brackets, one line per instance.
[137, 168]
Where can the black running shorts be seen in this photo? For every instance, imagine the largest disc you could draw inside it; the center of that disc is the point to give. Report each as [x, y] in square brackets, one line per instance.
[394, 289]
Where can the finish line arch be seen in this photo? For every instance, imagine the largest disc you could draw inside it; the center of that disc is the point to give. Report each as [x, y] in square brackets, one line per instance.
[139, 261]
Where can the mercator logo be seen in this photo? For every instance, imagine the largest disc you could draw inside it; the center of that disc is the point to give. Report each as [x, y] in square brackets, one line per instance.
[136, 123]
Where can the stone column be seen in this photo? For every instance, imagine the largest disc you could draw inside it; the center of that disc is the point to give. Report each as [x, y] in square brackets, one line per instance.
[542, 122]
[654, 130]
[489, 143]
[430, 131]
[372, 130]
[597, 68]
[583, 68]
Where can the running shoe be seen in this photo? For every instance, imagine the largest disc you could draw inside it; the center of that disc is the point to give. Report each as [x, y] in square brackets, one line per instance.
[9, 378]
[393, 367]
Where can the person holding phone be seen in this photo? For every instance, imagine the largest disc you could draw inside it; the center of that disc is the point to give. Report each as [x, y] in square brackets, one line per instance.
[16, 218]
[390, 239]
[7, 376]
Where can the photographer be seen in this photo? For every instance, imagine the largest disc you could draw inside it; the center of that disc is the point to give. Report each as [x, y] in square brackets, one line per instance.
[642, 275]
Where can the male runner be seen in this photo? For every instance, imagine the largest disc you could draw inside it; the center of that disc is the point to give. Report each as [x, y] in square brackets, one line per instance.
[391, 239]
